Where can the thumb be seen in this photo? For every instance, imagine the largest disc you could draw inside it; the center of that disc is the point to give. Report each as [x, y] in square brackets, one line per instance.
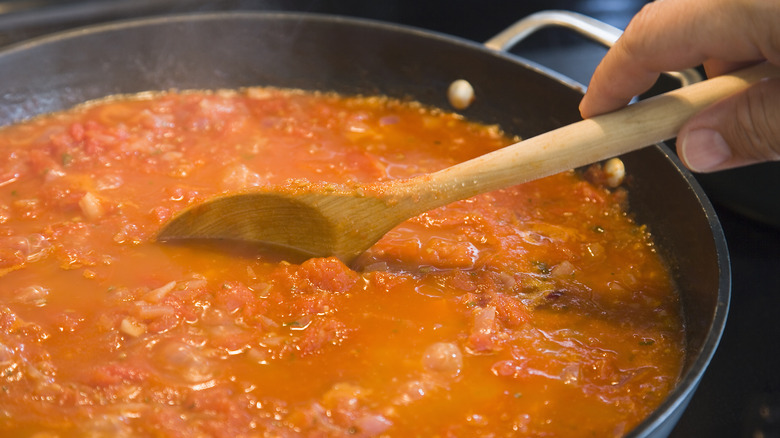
[739, 130]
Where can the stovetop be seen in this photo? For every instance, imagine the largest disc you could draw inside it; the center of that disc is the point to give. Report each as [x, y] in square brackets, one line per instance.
[739, 394]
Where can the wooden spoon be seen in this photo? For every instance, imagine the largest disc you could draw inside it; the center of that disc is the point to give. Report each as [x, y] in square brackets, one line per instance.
[318, 219]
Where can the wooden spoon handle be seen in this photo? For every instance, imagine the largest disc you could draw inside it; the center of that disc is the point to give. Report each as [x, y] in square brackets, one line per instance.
[641, 124]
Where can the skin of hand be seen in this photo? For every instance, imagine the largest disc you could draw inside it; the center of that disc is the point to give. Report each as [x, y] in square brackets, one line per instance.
[721, 35]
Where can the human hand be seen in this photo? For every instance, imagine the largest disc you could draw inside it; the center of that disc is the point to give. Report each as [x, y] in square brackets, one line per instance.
[723, 35]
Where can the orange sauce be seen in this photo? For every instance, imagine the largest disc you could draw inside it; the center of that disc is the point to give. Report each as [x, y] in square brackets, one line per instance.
[539, 310]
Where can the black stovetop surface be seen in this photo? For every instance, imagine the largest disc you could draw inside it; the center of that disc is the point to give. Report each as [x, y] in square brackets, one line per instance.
[740, 391]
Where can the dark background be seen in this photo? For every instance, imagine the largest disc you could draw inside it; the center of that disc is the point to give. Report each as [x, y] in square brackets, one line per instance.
[739, 395]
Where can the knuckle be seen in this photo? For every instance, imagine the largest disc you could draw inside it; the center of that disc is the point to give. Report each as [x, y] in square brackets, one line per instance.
[633, 40]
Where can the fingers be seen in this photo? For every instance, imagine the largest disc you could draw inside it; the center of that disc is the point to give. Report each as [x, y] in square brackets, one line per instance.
[717, 67]
[739, 130]
[723, 35]
[672, 35]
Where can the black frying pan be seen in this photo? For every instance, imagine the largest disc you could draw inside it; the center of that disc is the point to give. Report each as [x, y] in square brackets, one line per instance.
[354, 56]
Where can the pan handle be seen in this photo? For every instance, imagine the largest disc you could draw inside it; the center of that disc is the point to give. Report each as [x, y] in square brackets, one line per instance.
[591, 28]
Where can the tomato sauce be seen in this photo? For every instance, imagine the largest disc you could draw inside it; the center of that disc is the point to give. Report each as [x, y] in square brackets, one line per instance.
[538, 310]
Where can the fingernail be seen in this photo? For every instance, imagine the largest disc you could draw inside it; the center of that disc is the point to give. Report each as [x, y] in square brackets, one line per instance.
[704, 150]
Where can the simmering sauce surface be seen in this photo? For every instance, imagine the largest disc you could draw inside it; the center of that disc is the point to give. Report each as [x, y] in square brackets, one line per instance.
[539, 310]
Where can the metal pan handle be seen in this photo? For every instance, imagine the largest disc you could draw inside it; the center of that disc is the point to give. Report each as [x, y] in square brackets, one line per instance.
[591, 28]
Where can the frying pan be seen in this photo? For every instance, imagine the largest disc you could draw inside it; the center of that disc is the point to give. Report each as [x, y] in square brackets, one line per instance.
[229, 50]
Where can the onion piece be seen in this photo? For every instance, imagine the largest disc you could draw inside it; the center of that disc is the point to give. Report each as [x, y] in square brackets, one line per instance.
[91, 207]
[443, 358]
[130, 326]
[35, 295]
[372, 424]
[156, 295]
